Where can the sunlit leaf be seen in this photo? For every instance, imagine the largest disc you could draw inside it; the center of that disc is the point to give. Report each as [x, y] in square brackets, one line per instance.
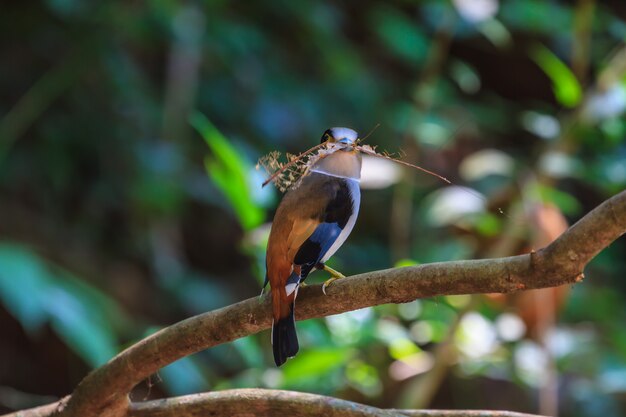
[402, 347]
[228, 170]
[565, 86]
[488, 224]
[364, 377]
[405, 262]
[458, 301]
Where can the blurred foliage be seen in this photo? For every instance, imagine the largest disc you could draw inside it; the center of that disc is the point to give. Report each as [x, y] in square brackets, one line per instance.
[86, 319]
[230, 173]
[129, 199]
[566, 88]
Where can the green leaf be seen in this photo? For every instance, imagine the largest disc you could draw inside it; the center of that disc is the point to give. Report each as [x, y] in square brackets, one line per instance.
[400, 33]
[402, 347]
[566, 87]
[228, 171]
[405, 262]
[37, 293]
[488, 224]
[70, 318]
[566, 202]
[85, 318]
[314, 363]
[364, 377]
[24, 282]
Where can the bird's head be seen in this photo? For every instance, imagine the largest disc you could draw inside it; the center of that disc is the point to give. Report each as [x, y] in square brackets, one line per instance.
[340, 138]
[340, 157]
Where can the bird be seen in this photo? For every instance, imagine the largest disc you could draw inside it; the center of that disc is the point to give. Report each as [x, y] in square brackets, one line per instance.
[311, 222]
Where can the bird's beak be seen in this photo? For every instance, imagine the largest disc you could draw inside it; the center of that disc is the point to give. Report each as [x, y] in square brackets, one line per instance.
[344, 141]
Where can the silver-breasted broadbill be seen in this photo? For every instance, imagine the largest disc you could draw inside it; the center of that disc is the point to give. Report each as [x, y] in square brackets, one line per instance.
[312, 221]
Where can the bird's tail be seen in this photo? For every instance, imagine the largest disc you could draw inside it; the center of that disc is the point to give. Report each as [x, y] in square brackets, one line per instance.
[284, 337]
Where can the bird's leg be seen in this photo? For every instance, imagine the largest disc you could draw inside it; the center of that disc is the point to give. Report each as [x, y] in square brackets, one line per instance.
[335, 275]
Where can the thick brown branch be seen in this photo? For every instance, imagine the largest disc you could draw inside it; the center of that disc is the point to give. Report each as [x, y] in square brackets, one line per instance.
[264, 402]
[104, 392]
[42, 411]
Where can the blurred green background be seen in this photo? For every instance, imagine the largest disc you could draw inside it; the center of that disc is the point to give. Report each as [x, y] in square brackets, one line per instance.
[129, 199]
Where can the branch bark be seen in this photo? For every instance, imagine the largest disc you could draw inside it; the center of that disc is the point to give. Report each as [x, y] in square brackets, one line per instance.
[265, 402]
[104, 392]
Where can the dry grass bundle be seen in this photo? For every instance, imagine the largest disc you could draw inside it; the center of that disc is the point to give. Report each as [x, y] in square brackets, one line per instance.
[286, 175]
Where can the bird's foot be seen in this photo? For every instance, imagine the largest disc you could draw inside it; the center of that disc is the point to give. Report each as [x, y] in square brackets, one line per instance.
[335, 275]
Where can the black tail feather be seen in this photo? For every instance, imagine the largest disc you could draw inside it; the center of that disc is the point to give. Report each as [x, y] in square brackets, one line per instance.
[284, 338]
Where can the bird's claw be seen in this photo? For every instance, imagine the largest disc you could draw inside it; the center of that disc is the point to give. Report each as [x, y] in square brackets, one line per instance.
[326, 284]
[335, 275]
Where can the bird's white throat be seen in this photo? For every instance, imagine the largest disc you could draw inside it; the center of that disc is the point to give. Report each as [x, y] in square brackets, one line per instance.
[342, 164]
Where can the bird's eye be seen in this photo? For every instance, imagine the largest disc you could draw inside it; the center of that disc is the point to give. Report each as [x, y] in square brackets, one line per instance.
[326, 136]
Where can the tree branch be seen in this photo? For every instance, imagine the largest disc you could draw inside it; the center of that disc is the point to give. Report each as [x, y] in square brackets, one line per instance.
[265, 402]
[104, 392]
[43, 410]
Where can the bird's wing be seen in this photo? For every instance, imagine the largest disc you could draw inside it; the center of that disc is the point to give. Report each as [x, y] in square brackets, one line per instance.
[297, 217]
[303, 210]
[307, 223]
[338, 208]
[301, 230]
